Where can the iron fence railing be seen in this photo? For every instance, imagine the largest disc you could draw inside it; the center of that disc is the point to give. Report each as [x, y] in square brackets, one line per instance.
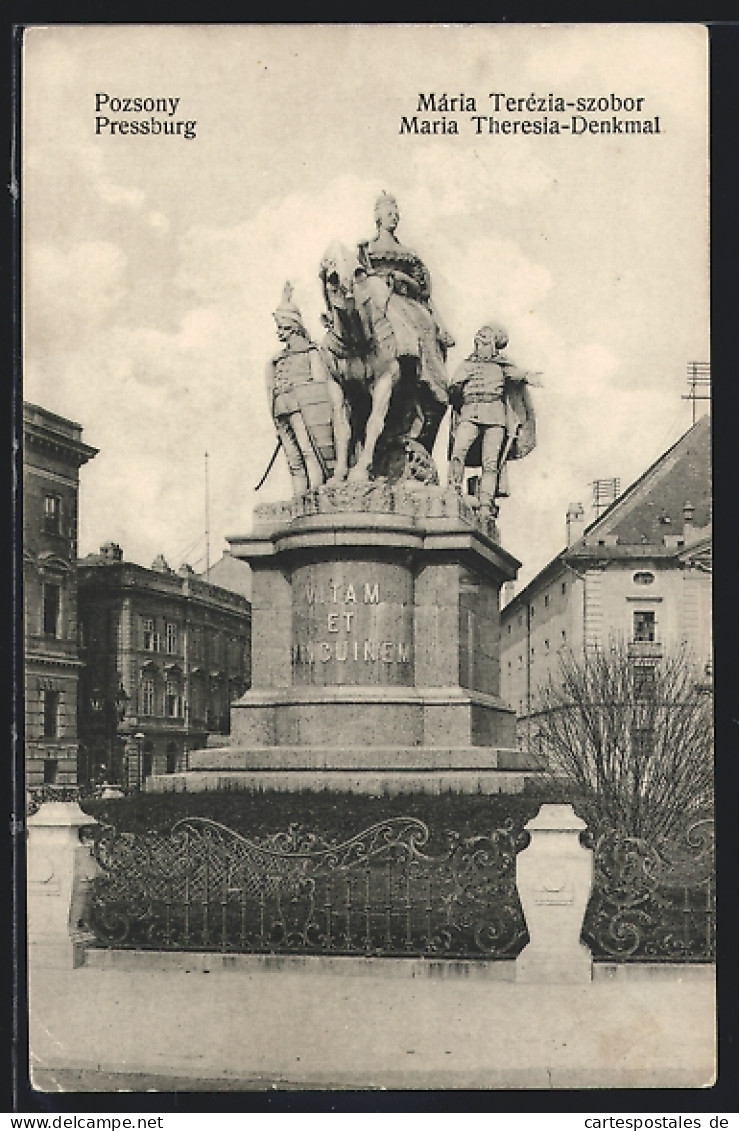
[390, 890]
[381, 892]
[654, 902]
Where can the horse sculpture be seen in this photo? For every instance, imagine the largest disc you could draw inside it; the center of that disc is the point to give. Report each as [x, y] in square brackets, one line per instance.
[382, 348]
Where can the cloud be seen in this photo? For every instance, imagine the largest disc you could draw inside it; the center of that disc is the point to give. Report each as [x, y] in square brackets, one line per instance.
[70, 293]
[481, 179]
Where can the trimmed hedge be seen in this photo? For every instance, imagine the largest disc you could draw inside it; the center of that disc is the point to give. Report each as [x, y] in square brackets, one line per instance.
[256, 814]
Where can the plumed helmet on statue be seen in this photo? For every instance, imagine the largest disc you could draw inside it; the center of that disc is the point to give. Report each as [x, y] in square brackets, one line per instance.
[288, 311]
[493, 330]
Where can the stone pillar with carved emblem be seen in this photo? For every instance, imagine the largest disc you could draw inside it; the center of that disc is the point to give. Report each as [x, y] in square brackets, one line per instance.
[554, 877]
[60, 873]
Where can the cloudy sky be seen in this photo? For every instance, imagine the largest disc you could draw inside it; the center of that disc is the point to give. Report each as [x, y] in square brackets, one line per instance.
[152, 265]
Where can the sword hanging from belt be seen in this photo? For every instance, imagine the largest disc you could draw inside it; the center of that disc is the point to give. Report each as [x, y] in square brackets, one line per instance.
[270, 465]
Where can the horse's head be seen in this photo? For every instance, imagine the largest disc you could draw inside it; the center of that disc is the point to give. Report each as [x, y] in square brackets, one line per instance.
[340, 270]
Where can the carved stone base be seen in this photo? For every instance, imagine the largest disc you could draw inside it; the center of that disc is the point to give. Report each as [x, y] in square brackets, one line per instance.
[407, 497]
[375, 625]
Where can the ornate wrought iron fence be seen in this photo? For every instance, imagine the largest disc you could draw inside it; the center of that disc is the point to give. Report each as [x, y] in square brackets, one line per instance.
[205, 887]
[654, 903]
[384, 892]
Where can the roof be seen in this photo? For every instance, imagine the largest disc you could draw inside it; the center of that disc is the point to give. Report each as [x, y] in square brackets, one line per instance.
[646, 521]
[230, 573]
[653, 505]
[47, 431]
[95, 569]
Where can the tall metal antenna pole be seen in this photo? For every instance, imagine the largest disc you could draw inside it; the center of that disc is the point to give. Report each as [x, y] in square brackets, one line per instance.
[207, 522]
[699, 383]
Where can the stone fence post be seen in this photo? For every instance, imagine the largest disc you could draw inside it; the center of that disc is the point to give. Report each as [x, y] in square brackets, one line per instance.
[554, 876]
[60, 871]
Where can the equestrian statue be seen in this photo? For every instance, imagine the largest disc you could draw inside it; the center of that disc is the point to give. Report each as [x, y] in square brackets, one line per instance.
[367, 403]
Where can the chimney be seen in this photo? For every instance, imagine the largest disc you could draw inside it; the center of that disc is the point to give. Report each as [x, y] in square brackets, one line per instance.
[111, 552]
[575, 522]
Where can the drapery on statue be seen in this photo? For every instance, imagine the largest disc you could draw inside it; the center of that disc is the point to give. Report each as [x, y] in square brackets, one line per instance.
[492, 418]
[403, 270]
[387, 349]
[307, 404]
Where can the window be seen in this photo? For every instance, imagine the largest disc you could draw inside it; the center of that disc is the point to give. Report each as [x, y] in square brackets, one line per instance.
[196, 643]
[509, 629]
[642, 741]
[217, 648]
[520, 661]
[147, 697]
[196, 700]
[564, 588]
[51, 766]
[50, 704]
[234, 653]
[173, 701]
[546, 600]
[564, 636]
[171, 639]
[546, 645]
[644, 680]
[151, 636]
[52, 608]
[643, 577]
[644, 627]
[52, 514]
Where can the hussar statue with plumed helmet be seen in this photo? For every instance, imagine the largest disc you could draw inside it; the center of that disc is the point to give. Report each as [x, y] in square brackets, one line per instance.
[307, 404]
[492, 416]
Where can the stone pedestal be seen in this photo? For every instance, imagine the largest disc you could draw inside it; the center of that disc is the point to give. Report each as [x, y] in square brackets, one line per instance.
[59, 876]
[554, 877]
[375, 631]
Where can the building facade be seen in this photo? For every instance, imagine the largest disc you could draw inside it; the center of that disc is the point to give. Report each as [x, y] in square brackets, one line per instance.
[165, 655]
[640, 573]
[53, 453]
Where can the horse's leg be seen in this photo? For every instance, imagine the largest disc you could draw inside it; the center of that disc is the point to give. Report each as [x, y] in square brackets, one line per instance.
[342, 431]
[381, 393]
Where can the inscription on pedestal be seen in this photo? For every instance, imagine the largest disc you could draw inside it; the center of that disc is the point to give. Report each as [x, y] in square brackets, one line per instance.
[351, 626]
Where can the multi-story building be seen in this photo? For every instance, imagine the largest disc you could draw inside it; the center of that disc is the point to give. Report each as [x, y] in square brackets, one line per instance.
[641, 572]
[165, 655]
[53, 453]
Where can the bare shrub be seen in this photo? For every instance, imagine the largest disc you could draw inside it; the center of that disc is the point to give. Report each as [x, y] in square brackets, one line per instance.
[633, 736]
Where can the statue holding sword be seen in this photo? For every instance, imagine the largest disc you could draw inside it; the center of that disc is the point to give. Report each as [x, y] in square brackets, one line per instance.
[307, 406]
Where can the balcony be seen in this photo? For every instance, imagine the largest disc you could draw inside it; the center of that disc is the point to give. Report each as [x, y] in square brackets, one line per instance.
[651, 650]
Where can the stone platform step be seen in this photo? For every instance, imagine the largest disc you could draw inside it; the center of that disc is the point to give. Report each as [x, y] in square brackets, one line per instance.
[369, 770]
[334, 758]
[377, 783]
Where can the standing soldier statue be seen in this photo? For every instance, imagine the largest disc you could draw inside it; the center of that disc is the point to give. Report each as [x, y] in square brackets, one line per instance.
[492, 418]
[307, 405]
